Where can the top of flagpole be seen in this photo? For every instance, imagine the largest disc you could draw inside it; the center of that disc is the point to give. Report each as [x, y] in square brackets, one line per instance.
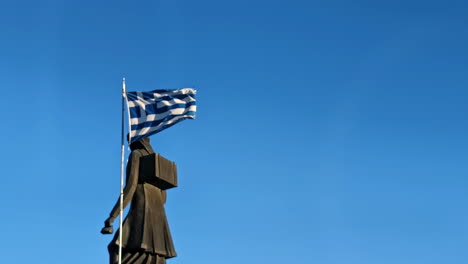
[124, 99]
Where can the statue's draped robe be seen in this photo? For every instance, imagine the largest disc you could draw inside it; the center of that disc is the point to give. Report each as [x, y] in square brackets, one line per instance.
[146, 238]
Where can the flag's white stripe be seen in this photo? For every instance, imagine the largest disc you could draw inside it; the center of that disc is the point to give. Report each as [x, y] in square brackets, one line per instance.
[147, 130]
[175, 101]
[159, 100]
[142, 103]
[153, 117]
[187, 91]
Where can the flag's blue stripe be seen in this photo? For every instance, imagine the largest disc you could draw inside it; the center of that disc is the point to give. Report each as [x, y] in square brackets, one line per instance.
[157, 122]
[132, 96]
[162, 98]
[149, 94]
[152, 109]
[154, 123]
[135, 112]
[138, 137]
[171, 97]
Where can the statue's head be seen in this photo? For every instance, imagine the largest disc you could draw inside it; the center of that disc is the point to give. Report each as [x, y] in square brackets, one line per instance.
[143, 143]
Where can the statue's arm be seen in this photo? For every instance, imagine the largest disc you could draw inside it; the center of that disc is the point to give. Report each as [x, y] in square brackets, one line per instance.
[164, 196]
[130, 186]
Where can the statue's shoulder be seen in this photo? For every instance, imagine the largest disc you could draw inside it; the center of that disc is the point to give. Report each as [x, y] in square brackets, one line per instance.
[137, 153]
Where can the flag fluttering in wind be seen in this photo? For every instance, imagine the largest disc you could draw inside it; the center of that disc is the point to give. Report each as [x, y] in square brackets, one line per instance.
[154, 111]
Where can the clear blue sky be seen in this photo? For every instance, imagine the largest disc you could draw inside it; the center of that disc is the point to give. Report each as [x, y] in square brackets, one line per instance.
[328, 132]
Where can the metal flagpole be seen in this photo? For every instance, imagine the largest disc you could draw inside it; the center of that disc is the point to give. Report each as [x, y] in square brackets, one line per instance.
[122, 150]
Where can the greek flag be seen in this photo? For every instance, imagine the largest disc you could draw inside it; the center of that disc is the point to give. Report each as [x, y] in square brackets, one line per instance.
[154, 111]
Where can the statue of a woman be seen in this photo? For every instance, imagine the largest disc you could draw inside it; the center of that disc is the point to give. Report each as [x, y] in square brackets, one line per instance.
[146, 238]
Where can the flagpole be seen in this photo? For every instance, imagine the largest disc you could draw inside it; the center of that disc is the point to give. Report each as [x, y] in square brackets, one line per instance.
[122, 150]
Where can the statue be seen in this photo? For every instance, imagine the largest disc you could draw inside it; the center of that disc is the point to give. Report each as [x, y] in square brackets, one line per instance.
[146, 238]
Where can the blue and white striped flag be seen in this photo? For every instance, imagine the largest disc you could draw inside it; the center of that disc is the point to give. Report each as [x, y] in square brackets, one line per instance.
[154, 111]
